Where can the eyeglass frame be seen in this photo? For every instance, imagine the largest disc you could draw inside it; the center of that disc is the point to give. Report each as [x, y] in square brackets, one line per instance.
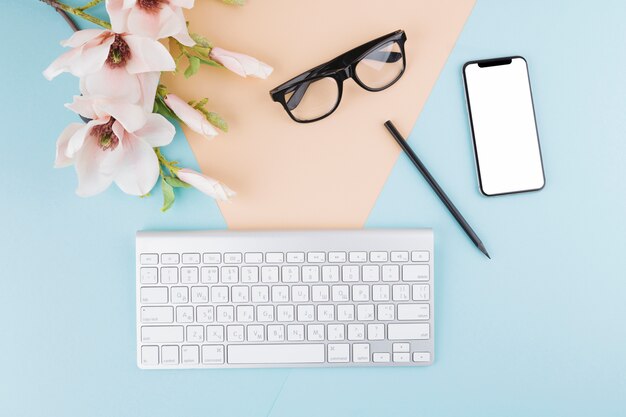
[340, 69]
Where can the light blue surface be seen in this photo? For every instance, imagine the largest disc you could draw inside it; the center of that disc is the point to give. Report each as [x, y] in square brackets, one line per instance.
[537, 331]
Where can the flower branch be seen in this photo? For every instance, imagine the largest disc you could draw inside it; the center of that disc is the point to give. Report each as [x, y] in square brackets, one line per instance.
[77, 12]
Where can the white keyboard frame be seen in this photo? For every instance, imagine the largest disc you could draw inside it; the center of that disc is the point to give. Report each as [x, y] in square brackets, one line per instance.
[366, 240]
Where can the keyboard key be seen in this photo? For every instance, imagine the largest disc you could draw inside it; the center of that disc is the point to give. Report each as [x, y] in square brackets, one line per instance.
[190, 355]
[399, 256]
[358, 256]
[316, 257]
[338, 352]
[420, 256]
[330, 273]
[225, 314]
[350, 273]
[381, 357]
[249, 274]
[421, 356]
[356, 331]
[413, 311]
[341, 293]
[401, 347]
[408, 331]
[360, 292]
[269, 274]
[149, 355]
[184, 314]
[169, 275]
[265, 313]
[306, 312]
[148, 259]
[212, 258]
[245, 314]
[400, 292]
[285, 313]
[153, 295]
[345, 312]
[401, 357]
[260, 294]
[169, 355]
[361, 352]
[162, 334]
[189, 275]
[295, 332]
[219, 294]
[295, 257]
[230, 274]
[325, 312]
[391, 273]
[199, 295]
[421, 292]
[148, 275]
[234, 333]
[315, 332]
[191, 258]
[157, 314]
[253, 258]
[214, 333]
[310, 273]
[209, 275]
[276, 354]
[335, 331]
[195, 334]
[180, 295]
[380, 292]
[274, 257]
[378, 256]
[232, 258]
[365, 312]
[320, 293]
[337, 257]
[240, 294]
[205, 314]
[415, 273]
[280, 293]
[170, 258]
[371, 273]
[375, 331]
[212, 354]
[256, 333]
[386, 312]
[276, 333]
[291, 273]
[300, 293]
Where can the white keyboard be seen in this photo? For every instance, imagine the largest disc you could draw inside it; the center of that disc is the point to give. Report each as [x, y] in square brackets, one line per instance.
[285, 299]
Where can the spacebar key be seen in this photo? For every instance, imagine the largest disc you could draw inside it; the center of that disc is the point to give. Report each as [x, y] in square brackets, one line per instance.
[275, 354]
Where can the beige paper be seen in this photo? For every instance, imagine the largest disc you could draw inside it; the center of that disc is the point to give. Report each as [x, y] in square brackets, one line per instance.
[328, 173]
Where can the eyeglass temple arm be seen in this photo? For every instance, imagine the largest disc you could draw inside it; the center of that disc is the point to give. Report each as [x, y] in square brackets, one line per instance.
[381, 56]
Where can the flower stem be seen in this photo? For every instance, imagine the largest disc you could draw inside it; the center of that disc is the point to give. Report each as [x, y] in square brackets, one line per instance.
[171, 166]
[77, 12]
[89, 5]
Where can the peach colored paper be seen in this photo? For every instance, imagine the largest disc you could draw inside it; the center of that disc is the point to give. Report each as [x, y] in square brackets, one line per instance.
[329, 173]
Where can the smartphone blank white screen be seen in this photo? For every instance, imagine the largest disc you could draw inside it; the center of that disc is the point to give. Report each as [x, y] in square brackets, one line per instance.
[500, 104]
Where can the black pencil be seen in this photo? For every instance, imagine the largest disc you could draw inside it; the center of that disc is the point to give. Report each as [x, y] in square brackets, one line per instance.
[436, 188]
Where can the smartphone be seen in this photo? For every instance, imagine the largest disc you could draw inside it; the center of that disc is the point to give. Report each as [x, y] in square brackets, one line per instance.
[504, 130]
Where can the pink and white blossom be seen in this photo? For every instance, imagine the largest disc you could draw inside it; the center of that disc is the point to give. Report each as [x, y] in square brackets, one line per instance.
[156, 19]
[116, 145]
[94, 49]
[241, 64]
[190, 116]
[205, 184]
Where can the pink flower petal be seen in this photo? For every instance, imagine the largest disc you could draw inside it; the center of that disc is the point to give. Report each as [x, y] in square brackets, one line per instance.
[77, 140]
[241, 64]
[61, 159]
[190, 116]
[205, 184]
[81, 37]
[187, 4]
[143, 23]
[176, 26]
[149, 82]
[131, 116]
[147, 55]
[118, 14]
[113, 83]
[61, 64]
[83, 106]
[157, 131]
[139, 170]
[95, 167]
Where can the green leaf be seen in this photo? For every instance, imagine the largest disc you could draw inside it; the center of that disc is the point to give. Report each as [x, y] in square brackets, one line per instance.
[202, 50]
[163, 109]
[201, 40]
[168, 195]
[217, 121]
[176, 182]
[194, 66]
[200, 103]
[209, 62]
[235, 2]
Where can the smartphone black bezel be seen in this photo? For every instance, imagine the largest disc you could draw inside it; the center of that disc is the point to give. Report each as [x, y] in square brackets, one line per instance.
[489, 63]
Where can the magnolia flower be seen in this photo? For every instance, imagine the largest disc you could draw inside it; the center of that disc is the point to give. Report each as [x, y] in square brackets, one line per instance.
[190, 116]
[155, 19]
[96, 49]
[241, 64]
[207, 185]
[115, 146]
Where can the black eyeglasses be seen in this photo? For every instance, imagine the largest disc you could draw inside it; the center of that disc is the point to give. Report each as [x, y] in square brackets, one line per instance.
[316, 93]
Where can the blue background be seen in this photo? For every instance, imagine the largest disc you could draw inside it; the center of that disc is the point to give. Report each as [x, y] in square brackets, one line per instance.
[538, 331]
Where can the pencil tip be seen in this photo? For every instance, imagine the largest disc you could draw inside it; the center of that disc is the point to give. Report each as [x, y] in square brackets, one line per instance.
[487, 255]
